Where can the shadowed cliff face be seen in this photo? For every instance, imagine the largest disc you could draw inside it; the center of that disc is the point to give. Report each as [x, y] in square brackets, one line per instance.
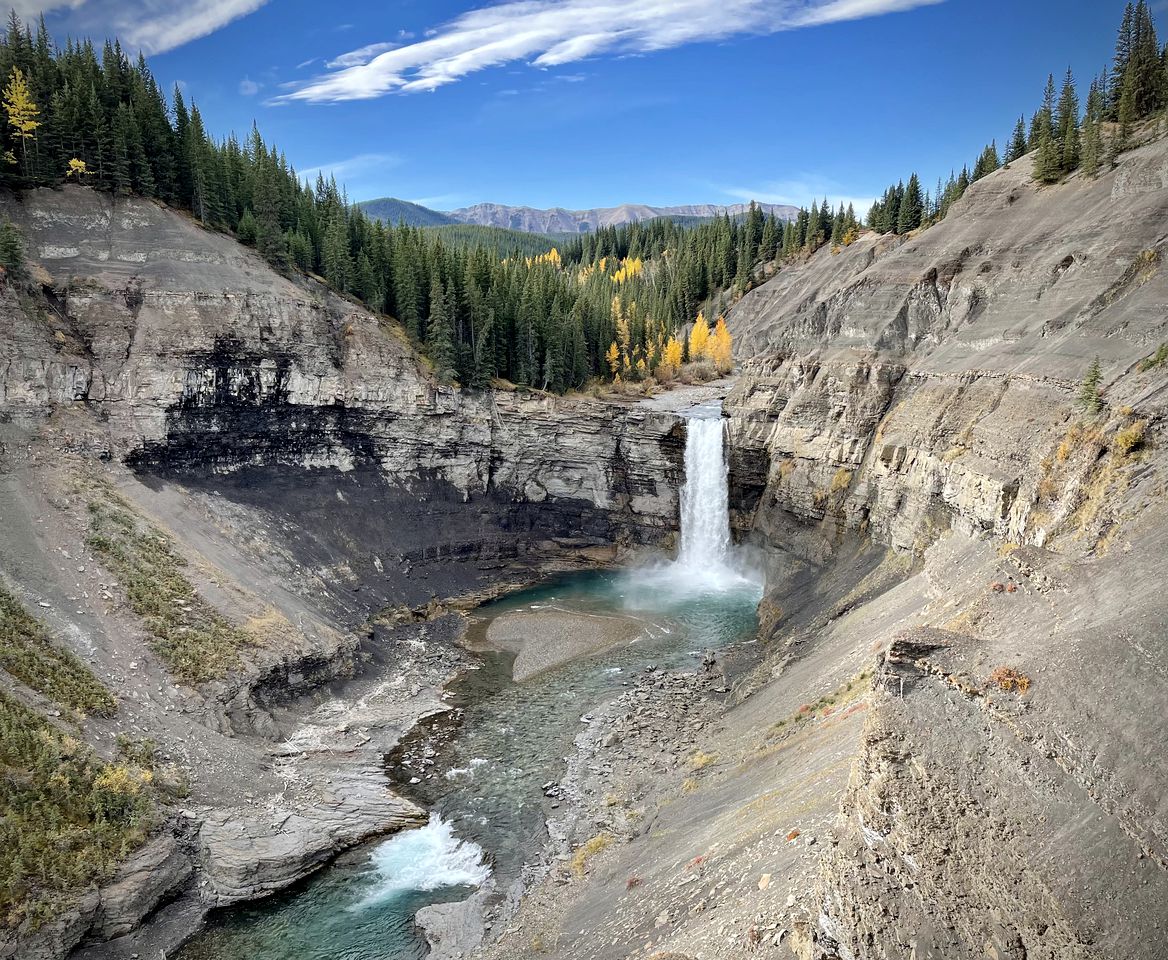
[210, 370]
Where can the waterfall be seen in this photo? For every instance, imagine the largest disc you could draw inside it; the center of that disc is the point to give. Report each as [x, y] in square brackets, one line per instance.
[705, 495]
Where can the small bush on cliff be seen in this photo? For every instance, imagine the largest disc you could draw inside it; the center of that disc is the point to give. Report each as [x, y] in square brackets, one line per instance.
[1157, 359]
[586, 851]
[29, 655]
[11, 250]
[191, 637]
[66, 818]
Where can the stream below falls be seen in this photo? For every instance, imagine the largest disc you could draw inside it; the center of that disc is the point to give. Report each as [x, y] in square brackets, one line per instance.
[481, 768]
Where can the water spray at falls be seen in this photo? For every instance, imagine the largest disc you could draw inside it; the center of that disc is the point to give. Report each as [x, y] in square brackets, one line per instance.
[705, 495]
[707, 560]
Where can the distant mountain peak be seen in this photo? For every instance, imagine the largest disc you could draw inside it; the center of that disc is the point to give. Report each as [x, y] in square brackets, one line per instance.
[555, 219]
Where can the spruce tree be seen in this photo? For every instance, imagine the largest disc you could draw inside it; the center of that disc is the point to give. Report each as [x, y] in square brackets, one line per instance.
[1067, 125]
[1017, 146]
[911, 207]
[1090, 395]
[439, 345]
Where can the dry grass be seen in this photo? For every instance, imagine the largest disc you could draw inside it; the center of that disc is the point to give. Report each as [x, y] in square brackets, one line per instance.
[589, 849]
[191, 637]
[699, 760]
[1008, 679]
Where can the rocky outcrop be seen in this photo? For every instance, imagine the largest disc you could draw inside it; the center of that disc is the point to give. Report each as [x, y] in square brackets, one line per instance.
[922, 392]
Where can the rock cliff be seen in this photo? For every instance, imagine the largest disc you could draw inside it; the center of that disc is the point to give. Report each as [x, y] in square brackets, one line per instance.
[947, 742]
[305, 473]
[951, 745]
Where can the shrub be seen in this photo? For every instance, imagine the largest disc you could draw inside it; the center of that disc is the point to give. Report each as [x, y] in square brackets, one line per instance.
[1129, 438]
[188, 634]
[586, 851]
[28, 653]
[1008, 678]
[66, 818]
[1157, 359]
[700, 760]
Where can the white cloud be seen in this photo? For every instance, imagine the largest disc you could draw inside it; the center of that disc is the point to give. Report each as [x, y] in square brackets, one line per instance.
[360, 56]
[152, 26]
[248, 87]
[546, 33]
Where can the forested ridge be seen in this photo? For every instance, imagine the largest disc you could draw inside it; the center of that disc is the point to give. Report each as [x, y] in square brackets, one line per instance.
[486, 308]
[1067, 133]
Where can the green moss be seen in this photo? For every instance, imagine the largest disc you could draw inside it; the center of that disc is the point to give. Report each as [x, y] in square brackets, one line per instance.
[29, 655]
[66, 818]
[188, 634]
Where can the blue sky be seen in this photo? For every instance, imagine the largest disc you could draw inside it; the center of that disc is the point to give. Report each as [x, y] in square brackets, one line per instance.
[583, 103]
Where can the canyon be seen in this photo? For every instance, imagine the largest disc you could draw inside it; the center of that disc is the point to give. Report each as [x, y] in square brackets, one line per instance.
[945, 740]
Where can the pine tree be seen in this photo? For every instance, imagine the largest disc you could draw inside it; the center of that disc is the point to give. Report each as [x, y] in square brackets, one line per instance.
[1090, 395]
[988, 162]
[1067, 125]
[1017, 142]
[1048, 162]
[1092, 153]
[439, 345]
[11, 252]
[912, 207]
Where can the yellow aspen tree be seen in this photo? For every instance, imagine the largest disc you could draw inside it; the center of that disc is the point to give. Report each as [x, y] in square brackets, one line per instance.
[77, 168]
[612, 356]
[721, 347]
[23, 113]
[699, 340]
[673, 353]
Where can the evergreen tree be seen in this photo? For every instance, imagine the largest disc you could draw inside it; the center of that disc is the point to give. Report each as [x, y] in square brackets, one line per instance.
[1067, 125]
[439, 345]
[11, 251]
[988, 162]
[911, 210]
[1017, 146]
[1090, 395]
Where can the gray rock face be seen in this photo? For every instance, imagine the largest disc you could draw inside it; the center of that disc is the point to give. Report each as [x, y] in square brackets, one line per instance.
[151, 875]
[922, 392]
[201, 357]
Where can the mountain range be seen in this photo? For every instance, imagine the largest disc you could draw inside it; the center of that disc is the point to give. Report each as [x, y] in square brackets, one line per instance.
[556, 220]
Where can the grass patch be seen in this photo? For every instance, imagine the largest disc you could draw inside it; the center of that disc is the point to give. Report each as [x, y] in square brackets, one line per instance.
[699, 760]
[1157, 359]
[66, 818]
[28, 654]
[190, 636]
[1129, 438]
[1007, 679]
[586, 851]
[856, 687]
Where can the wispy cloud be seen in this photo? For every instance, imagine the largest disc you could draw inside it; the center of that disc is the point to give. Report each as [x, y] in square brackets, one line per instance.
[799, 191]
[549, 33]
[354, 168]
[153, 26]
[248, 87]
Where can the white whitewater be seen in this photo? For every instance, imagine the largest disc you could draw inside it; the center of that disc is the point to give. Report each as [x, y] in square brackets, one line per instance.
[426, 858]
[707, 560]
[705, 495]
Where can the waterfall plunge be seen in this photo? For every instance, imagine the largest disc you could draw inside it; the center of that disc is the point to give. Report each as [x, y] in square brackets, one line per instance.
[707, 560]
[705, 496]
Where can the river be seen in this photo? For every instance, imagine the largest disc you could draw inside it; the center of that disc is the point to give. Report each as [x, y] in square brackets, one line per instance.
[481, 768]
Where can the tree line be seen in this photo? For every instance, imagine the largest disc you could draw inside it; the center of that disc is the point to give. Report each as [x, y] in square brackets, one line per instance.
[1064, 135]
[480, 315]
